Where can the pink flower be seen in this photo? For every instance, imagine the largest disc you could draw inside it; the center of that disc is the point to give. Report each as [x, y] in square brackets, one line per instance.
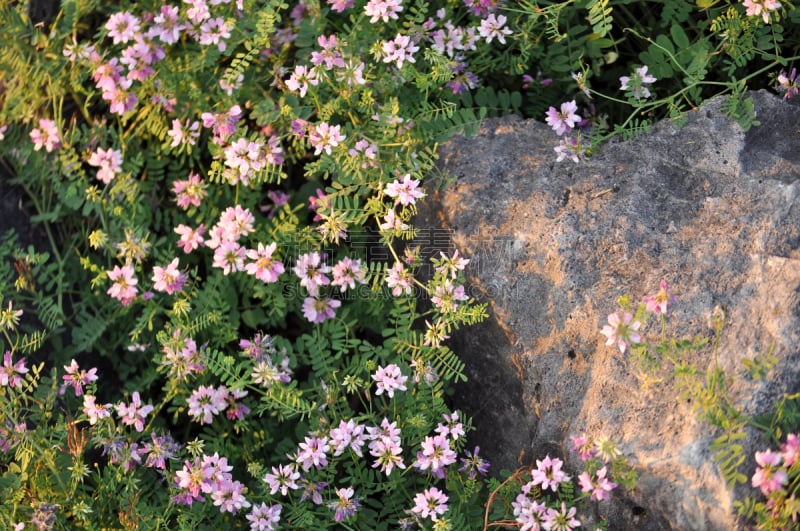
[584, 446]
[405, 191]
[184, 134]
[383, 10]
[46, 136]
[214, 31]
[135, 413]
[529, 512]
[206, 402]
[389, 380]
[311, 271]
[330, 56]
[166, 26]
[109, 161]
[340, 5]
[122, 27]
[761, 7]
[399, 50]
[263, 266]
[347, 272]
[301, 78]
[169, 278]
[392, 222]
[313, 452]
[11, 373]
[399, 279]
[563, 121]
[198, 12]
[548, 474]
[265, 517]
[563, 520]
[790, 450]
[600, 488]
[124, 284]
[636, 83]
[347, 435]
[77, 377]
[436, 455]
[788, 84]
[430, 503]
[571, 148]
[388, 454]
[194, 478]
[229, 496]
[120, 100]
[95, 411]
[454, 427]
[325, 137]
[493, 28]
[234, 223]
[769, 476]
[446, 296]
[189, 192]
[621, 331]
[229, 257]
[190, 239]
[451, 265]
[181, 356]
[345, 506]
[388, 431]
[282, 479]
[659, 303]
[319, 310]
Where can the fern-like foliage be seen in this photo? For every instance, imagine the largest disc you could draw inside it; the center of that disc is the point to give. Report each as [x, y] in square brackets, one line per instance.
[635, 128]
[741, 108]
[729, 455]
[600, 17]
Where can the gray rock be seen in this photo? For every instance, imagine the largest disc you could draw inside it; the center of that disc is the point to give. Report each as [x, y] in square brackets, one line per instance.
[709, 208]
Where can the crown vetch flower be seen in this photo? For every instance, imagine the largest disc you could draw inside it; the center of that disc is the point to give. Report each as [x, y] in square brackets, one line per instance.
[659, 303]
[319, 310]
[265, 517]
[95, 411]
[622, 331]
[264, 267]
[473, 464]
[548, 473]
[124, 284]
[769, 476]
[46, 136]
[345, 506]
[600, 486]
[282, 478]
[788, 84]
[563, 520]
[11, 373]
[77, 377]
[406, 191]
[636, 83]
[389, 380]
[493, 27]
[169, 278]
[430, 503]
[564, 120]
[133, 414]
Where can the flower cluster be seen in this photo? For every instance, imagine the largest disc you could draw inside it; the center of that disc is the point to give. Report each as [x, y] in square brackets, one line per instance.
[210, 475]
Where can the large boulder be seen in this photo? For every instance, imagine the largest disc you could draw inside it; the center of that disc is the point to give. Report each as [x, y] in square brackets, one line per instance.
[706, 206]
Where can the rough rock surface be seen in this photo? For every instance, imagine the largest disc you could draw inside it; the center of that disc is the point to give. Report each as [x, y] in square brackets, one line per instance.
[709, 208]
